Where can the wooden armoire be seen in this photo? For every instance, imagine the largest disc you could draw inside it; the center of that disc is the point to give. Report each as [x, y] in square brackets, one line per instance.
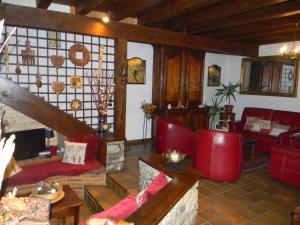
[178, 77]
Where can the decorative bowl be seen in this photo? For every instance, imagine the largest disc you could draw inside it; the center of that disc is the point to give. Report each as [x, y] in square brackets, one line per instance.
[52, 192]
[174, 156]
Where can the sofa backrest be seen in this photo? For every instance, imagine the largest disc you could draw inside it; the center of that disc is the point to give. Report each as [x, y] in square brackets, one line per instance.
[287, 118]
[257, 112]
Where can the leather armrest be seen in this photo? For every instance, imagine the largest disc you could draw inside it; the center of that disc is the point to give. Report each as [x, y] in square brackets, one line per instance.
[236, 126]
[286, 152]
[290, 138]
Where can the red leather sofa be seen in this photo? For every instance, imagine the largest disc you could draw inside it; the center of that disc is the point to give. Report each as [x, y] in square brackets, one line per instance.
[285, 165]
[171, 135]
[264, 140]
[218, 154]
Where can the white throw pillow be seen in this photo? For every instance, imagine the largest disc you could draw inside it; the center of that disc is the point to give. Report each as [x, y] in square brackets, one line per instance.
[275, 132]
[250, 121]
[74, 152]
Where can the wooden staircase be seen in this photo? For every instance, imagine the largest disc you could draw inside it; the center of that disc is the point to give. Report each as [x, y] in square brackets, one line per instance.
[20, 99]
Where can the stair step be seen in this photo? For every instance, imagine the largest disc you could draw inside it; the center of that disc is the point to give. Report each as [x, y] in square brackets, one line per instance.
[99, 197]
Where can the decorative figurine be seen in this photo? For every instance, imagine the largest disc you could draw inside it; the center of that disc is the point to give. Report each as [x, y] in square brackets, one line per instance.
[28, 55]
[38, 81]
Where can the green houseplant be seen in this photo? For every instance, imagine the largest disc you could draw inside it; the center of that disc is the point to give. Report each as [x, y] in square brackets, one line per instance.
[228, 91]
[214, 110]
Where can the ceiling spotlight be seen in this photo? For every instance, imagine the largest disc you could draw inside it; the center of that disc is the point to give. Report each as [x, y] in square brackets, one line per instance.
[105, 18]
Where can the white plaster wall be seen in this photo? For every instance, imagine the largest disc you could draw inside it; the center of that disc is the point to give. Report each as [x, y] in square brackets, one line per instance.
[231, 68]
[136, 93]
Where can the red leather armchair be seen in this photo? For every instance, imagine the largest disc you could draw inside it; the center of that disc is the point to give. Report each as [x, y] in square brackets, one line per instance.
[218, 155]
[171, 135]
[285, 165]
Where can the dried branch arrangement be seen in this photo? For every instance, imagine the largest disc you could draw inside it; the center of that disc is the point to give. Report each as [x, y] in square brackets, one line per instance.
[102, 90]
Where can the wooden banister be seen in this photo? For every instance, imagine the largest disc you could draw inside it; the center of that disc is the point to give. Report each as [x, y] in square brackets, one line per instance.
[36, 108]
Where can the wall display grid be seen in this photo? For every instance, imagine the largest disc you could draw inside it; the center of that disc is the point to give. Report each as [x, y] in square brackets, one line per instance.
[47, 43]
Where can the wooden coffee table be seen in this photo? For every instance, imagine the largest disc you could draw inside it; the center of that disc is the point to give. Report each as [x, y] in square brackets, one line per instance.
[68, 206]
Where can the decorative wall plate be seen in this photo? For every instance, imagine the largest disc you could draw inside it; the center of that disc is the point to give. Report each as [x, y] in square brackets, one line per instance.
[57, 61]
[76, 105]
[76, 82]
[58, 87]
[73, 55]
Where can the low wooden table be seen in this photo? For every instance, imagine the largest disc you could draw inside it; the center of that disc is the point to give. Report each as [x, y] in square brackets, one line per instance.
[68, 206]
[249, 145]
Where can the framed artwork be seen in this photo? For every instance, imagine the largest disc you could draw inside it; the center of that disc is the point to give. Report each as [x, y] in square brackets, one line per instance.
[136, 71]
[214, 75]
[76, 82]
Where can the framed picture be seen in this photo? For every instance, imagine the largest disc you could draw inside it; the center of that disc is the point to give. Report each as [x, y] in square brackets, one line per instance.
[214, 75]
[136, 71]
[76, 82]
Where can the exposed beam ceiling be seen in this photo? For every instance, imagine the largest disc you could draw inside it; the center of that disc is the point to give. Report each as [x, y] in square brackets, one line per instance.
[263, 14]
[220, 10]
[173, 9]
[25, 16]
[85, 7]
[43, 4]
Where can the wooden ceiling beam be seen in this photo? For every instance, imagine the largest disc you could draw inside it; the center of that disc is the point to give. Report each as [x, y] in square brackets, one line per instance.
[173, 9]
[253, 27]
[288, 29]
[43, 4]
[217, 11]
[30, 17]
[133, 8]
[265, 14]
[86, 6]
[275, 38]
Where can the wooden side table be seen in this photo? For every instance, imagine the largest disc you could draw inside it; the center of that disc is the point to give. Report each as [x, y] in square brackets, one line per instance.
[227, 116]
[68, 206]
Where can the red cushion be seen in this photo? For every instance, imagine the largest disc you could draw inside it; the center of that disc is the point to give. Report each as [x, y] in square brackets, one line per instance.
[92, 145]
[121, 210]
[155, 186]
[38, 172]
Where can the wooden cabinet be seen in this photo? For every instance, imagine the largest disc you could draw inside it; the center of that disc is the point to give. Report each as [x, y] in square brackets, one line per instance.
[177, 76]
[197, 118]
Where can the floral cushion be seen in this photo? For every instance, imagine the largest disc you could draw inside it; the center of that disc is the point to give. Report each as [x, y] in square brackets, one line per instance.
[278, 128]
[252, 124]
[74, 152]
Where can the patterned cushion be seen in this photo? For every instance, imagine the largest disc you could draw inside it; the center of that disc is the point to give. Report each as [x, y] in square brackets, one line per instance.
[265, 126]
[252, 124]
[278, 128]
[74, 152]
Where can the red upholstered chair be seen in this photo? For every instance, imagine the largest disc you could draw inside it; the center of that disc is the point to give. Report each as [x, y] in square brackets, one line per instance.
[218, 154]
[285, 165]
[170, 135]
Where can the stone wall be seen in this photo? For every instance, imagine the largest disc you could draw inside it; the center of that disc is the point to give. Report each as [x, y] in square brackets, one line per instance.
[185, 210]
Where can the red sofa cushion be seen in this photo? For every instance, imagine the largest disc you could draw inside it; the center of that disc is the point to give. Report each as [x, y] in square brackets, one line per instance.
[92, 145]
[38, 172]
[287, 118]
[265, 114]
[155, 186]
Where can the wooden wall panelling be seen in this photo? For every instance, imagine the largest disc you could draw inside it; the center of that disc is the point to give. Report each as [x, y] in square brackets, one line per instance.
[120, 88]
[173, 66]
[194, 80]
[25, 16]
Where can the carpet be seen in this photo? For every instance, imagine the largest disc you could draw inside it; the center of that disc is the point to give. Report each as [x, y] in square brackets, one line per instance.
[261, 159]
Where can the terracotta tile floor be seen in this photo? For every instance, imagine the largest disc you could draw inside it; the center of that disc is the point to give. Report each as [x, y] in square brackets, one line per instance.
[254, 199]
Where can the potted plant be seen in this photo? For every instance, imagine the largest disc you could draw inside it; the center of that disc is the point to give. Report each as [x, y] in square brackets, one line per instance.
[214, 110]
[228, 91]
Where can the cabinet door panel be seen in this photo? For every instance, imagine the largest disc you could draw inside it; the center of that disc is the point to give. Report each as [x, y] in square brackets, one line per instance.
[194, 77]
[173, 69]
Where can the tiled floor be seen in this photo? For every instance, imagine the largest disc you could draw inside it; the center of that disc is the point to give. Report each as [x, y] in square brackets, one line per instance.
[254, 199]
